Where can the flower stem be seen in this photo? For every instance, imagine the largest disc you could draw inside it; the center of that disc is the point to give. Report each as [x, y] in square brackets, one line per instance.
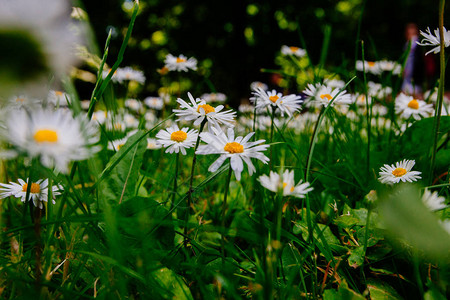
[174, 192]
[191, 180]
[271, 136]
[224, 208]
[437, 118]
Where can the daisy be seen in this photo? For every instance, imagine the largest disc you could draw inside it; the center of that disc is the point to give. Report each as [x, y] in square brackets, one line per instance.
[377, 90]
[100, 116]
[368, 66]
[133, 104]
[400, 171]
[176, 140]
[214, 97]
[287, 104]
[390, 66]
[129, 74]
[274, 182]
[154, 102]
[152, 144]
[335, 83]
[58, 98]
[54, 136]
[40, 39]
[433, 201]
[238, 150]
[257, 84]
[296, 51]
[360, 100]
[115, 145]
[434, 40]
[38, 191]
[22, 101]
[408, 106]
[199, 110]
[322, 94]
[180, 63]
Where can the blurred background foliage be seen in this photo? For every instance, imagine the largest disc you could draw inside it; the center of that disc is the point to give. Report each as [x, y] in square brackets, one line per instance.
[234, 39]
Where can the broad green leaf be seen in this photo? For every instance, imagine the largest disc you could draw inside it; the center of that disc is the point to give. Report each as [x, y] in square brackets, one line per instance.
[343, 293]
[374, 236]
[381, 291]
[173, 283]
[356, 258]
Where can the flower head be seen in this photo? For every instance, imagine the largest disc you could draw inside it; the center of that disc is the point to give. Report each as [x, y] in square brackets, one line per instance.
[38, 191]
[238, 150]
[214, 97]
[408, 106]
[58, 98]
[154, 102]
[54, 136]
[433, 201]
[369, 67]
[434, 40]
[287, 104]
[285, 182]
[322, 94]
[296, 51]
[198, 110]
[133, 104]
[401, 171]
[180, 63]
[176, 139]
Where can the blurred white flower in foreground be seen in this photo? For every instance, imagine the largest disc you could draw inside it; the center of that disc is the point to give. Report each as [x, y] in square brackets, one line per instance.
[285, 182]
[433, 201]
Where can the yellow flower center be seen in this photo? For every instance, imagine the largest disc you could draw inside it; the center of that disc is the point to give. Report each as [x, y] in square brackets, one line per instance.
[120, 146]
[328, 96]
[371, 63]
[180, 60]
[45, 136]
[414, 104]
[399, 172]
[274, 98]
[58, 93]
[294, 49]
[178, 136]
[208, 108]
[20, 100]
[35, 188]
[234, 147]
[285, 184]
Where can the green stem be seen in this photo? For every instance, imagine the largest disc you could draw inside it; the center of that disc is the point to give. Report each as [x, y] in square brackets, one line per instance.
[224, 208]
[174, 192]
[369, 113]
[191, 180]
[437, 118]
[272, 116]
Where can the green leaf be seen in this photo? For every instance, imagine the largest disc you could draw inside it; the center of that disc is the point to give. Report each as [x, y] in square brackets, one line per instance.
[173, 283]
[381, 291]
[356, 258]
[343, 293]
[121, 184]
[375, 235]
[408, 219]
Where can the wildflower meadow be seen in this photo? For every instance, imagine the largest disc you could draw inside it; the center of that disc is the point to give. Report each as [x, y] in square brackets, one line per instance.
[122, 181]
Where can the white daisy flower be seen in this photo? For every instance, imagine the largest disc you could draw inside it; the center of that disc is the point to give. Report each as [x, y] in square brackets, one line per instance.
[377, 90]
[214, 97]
[433, 201]
[40, 39]
[321, 94]
[85, 104]
[360, 100]
[296, 51]
[401, 171]
[176, 140]
[369, 66]
[54, 136]
[180, 63]
[238, 150]
[274, 182]
[286, 104]
[115, 145]
[335, 83]
[154, 102]
[100, 116]
[432, 95]
[198, 110]
[129, 74]
[408, 106]
[152, 144]
[257, 84]
[133, 104]
[38, 191]
[246, 108]
[434, 40]
[390, 66]
[58, 98]
[22, 102]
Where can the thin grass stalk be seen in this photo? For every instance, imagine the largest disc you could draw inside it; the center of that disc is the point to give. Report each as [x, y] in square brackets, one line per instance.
[223, 213]
[440, 99]
[191, 180]
[272, 116]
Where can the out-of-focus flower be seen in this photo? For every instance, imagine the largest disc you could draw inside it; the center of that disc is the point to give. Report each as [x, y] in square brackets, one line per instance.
[433, 201]
[321, 94]
[286, 104]
[133, 104]
[214, 97]
[58, 98]
[434, 40]
[296, 51]
[257, 84]
[180, 63]
[285, 182]
[368, 66]
[154, 102]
